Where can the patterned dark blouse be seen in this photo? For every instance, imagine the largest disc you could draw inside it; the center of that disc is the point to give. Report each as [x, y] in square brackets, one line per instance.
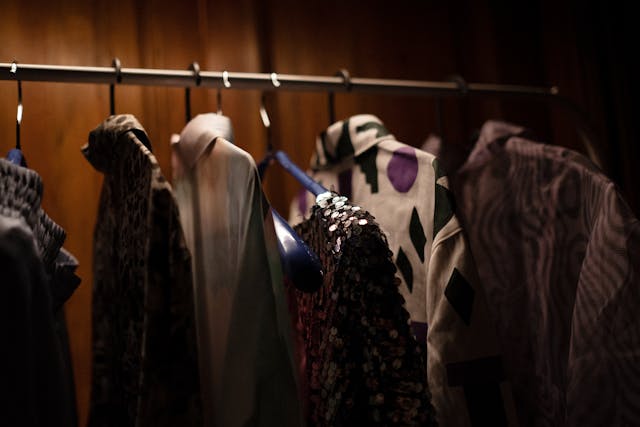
[363, 366]
[559, 251]
[145, 363]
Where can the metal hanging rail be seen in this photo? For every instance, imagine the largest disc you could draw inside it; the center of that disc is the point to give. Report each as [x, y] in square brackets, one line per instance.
[293, 82]
[259, 81]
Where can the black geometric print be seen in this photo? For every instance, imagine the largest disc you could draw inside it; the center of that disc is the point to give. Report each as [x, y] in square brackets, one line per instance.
[444, 208]
[367, 163]
[416, 232]
[403, 264]
[344, 148]
[460, 295]
[381, 130]
[438, 169]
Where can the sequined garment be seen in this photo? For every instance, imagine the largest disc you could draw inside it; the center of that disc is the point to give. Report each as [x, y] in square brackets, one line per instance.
[145, 364]
[363, 366]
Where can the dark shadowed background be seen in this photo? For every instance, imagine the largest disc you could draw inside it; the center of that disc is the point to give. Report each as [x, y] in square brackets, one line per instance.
[587, 50]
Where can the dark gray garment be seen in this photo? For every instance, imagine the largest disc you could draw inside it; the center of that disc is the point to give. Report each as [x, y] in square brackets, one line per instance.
[36, 276]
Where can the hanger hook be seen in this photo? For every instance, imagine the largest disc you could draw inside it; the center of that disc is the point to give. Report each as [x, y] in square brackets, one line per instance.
[14, 70]
[463, 87]
[274, 80]
[227, 84]
[225, 79]
[346, 81]
[195, 67]
[112, 91]
[346, 78]
[265, 121]
[263, 112]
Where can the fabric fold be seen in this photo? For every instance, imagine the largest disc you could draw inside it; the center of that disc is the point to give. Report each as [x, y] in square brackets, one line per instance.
[145, 361]
[249, 373]
[557, 248]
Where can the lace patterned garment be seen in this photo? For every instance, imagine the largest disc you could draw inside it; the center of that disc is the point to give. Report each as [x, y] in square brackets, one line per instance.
[363, 365]
[145, 364]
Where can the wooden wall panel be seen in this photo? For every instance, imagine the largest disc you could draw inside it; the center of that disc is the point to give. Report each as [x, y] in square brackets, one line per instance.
[485, 41]
[58, 117]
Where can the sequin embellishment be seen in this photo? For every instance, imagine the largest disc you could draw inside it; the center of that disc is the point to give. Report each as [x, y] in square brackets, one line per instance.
[363, 366]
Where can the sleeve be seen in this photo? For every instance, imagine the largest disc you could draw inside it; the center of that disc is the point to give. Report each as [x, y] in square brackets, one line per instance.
[260, 377]
[30, 360]
[603, 380]
[465, 365]
[393, 370]
[171, 371]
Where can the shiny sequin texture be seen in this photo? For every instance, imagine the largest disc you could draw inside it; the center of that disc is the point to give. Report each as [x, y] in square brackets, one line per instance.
[363, 367]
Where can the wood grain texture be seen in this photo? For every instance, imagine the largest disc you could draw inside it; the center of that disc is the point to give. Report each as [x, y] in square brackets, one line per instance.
[485, 41]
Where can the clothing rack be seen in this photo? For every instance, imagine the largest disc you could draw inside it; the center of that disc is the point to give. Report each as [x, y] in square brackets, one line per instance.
[291, 82]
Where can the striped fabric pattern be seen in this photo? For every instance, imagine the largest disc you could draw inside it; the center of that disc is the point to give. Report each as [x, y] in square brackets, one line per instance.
[559, 253]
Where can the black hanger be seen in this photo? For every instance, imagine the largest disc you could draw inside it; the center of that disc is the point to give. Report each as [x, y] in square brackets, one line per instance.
[346, 80]
[332, 107]
[219, 97]
[195, 67]
[15, 155]
[263, 165]
[451, 155]
[112, 90]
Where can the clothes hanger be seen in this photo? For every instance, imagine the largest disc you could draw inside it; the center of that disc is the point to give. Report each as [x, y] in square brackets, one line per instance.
[117, 65]
[195, 67]
[346, 78]
[301, 265]
[16, 155]
[205, 126]
[217, 121]
[112, 88]
[282, 158]
[450, 155]
[307, 182]
[332, 107]
[263, 165]
[175, 138]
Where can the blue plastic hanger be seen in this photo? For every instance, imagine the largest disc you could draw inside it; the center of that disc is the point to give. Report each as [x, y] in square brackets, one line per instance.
[15, 155]
[304, 179]
[300, 264]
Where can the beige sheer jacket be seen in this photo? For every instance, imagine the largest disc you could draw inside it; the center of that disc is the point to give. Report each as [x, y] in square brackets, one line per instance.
[244, 332]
